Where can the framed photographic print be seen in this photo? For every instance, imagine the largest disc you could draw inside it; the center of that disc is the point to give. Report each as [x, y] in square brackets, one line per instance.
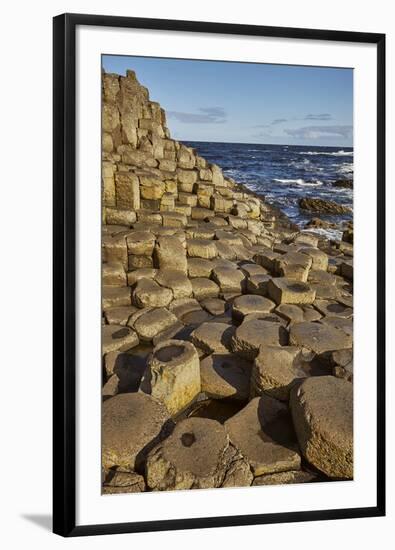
[208, 182]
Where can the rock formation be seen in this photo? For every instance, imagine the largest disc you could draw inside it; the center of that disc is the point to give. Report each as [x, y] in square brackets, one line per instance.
[227, 331]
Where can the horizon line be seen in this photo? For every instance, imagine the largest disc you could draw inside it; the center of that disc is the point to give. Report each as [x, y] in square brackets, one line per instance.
[254, 143]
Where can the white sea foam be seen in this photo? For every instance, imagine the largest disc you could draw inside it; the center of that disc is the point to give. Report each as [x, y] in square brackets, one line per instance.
[340, 153]
[300, 182]
[334, 234]
[346, 168]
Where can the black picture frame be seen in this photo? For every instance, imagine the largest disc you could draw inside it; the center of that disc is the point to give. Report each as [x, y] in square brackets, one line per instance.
[64, 271]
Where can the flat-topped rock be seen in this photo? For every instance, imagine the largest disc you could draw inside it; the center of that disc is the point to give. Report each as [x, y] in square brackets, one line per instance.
[193, 456]
[225, 376]
[177, 281]
[267, 259]
[139, 262]
[321, 277]
[115, 216]
[263, 432]
[215, 306]
[346, 325]
[229, 279]
[318, 257]
[187, 198]
[182, 306]
[291, 313]
[201, 213]
[142, 273]
[306, 239]
[253, 333]
[318, 338]
[174, 219]
[113, 274]
[285, 478]
[149, 294]
[293, 265]
[173, 374]
[119, 315]
[118, 338]
[199, 267]
[322, 411]
[152, 322]
[170, 254]
[174, 331]
[288, 291]
[131, 424]
[225, 250]
[251, 269]
[201, 248]
[213, 337]
[114, 296]
[276, 370]
[114, 249]
[250, 303]
[330, 308]
[140, 243]
[257, 284]
[203, 288]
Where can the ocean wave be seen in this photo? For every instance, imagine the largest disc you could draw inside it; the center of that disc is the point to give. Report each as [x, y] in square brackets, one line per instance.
[300, 182]
[340, 153]
[335, 234]
[346, 169]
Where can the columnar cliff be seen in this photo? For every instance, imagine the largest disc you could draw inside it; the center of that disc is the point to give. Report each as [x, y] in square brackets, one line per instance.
[227, 333]
[144, 169]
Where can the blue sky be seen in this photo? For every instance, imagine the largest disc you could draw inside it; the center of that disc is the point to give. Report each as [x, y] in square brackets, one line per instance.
[247, 102]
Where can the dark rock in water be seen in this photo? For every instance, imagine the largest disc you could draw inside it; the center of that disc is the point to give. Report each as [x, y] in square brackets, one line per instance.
[346, 183]
[318, 223]
[324, 206]
[348, 236]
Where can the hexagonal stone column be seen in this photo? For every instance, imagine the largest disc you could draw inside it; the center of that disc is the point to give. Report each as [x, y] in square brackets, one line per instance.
[173, 374]
[319, 338]
[289, 291]
[131, 423]
[252, 334]
[322, 411]
[263, 432]
[251, 303]
[225, 376]
[192, 457]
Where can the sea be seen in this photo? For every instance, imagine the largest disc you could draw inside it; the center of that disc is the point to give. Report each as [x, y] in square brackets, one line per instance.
[286, 173]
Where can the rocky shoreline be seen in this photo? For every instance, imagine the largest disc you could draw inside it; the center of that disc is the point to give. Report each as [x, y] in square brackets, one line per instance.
[227, 331]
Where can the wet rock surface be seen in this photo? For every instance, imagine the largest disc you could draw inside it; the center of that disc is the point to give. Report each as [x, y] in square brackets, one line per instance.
[227, 332]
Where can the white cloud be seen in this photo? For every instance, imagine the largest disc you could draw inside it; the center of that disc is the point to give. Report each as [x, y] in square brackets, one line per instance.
[207, 115]
[317, 132]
